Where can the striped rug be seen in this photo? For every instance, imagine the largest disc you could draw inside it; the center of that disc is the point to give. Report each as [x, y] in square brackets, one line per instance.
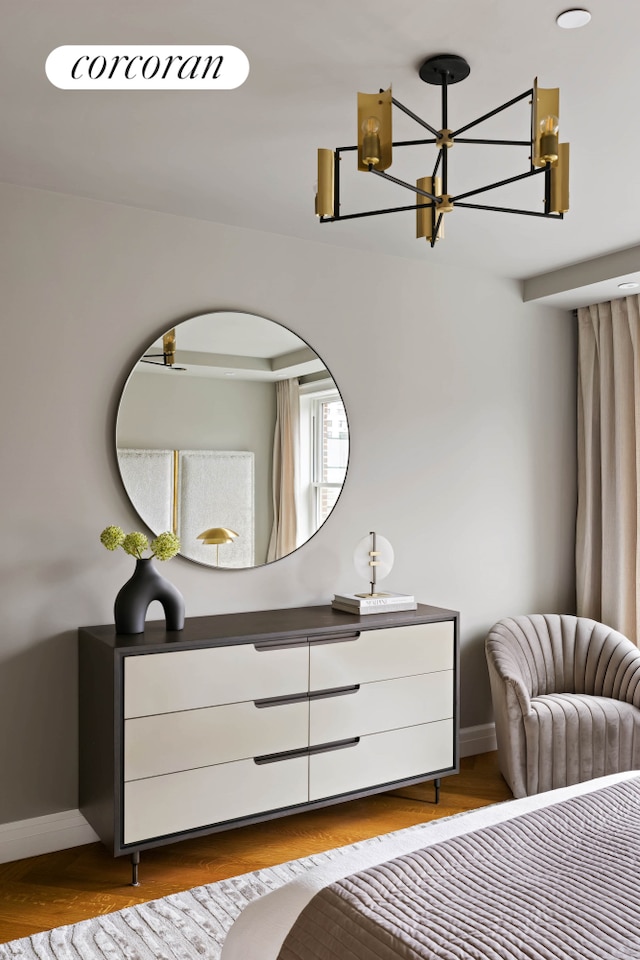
[184, 926]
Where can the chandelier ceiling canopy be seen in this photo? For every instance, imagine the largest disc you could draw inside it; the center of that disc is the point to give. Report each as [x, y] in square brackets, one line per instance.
[434, 198]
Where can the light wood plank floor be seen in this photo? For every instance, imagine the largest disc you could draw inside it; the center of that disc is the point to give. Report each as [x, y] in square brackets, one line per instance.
[59, 888]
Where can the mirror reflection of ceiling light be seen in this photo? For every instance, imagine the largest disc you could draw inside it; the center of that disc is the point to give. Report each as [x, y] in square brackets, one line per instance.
[571, 19]
[168, 356]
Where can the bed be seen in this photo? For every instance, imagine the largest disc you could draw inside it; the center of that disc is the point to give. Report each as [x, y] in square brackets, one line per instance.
[549, 877]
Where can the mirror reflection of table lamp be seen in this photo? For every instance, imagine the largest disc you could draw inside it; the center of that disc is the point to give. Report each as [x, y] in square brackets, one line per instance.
[218, 535]
[373, 559]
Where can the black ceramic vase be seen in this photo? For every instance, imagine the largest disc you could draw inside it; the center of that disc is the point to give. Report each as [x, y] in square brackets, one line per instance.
[134, 598]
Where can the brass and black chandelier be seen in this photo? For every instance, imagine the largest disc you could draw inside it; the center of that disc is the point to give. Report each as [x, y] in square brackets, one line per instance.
[434, 198]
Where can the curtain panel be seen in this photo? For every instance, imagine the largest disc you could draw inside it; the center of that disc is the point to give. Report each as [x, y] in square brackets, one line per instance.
[286, 454]
[608, 521]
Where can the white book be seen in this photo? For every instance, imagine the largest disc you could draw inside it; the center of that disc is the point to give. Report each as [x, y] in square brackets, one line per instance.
[384, 608]
[385, 599]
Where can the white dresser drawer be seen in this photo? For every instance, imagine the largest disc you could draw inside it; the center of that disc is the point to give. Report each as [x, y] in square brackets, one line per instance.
[385, 705]
[188, 679]
[196, 798]
[382, 758]
[382, 655]
[169, 742]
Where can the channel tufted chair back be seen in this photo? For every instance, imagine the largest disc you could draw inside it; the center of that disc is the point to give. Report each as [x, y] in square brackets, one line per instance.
[566, 699]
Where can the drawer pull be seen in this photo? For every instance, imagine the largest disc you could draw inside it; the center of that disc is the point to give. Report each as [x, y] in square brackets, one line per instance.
[339, 638]
[285, 755]
[334, 692]
[303, 697]
[281, 701]
[263, 646]
[307, 751]
[336, 745]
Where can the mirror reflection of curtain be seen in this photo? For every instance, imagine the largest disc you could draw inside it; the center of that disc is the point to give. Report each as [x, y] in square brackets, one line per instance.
[608, 522]
[286, 455]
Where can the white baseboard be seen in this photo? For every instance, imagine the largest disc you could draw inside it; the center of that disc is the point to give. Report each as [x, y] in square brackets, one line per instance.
[56, 831]
[481, 739]
[59, 831]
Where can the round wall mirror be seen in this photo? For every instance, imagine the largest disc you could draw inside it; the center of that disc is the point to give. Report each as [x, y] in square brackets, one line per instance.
[232, 433]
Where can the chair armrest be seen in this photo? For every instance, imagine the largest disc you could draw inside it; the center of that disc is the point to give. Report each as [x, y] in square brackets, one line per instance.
[626, 679]
[611, 665]
[511, 705]
[507, 674]
[519, 692]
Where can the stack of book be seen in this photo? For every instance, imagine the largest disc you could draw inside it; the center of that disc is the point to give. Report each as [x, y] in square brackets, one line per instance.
[381, 603]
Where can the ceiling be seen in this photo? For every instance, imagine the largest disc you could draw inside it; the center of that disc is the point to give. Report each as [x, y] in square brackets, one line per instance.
[247, 156]
[239, 345]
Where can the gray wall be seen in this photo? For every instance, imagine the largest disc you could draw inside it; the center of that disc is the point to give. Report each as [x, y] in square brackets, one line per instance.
[461, 409]
[175, 411]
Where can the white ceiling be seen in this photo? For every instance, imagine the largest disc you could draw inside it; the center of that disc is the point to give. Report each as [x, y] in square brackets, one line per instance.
[247, 157]
[237, 345]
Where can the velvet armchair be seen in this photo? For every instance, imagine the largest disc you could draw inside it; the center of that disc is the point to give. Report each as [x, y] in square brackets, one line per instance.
[566, 699]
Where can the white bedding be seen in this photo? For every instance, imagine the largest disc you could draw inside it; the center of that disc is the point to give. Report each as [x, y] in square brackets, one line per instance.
[261, 928]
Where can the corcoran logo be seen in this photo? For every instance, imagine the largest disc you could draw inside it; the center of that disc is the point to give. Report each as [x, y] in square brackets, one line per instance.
[129, 67]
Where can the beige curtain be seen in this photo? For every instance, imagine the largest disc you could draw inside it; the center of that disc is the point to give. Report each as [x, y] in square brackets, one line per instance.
[286, 452]
[608, 521]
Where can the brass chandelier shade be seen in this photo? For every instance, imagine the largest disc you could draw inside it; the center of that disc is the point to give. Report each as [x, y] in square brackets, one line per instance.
[375, 145]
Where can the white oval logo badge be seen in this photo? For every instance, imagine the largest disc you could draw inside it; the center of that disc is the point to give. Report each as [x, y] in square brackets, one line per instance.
[147, 67]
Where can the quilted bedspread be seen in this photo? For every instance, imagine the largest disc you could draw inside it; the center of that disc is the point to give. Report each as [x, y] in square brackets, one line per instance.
[560, 883]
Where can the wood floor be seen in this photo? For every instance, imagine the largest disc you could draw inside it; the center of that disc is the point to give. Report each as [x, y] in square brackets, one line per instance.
[59, 888]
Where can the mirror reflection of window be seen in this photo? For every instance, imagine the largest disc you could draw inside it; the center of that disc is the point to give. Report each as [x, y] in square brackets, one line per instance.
[324, 454]
[216, 395]
[331, 444]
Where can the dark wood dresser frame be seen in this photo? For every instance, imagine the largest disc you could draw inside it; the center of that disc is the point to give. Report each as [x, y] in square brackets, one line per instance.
[101, 701]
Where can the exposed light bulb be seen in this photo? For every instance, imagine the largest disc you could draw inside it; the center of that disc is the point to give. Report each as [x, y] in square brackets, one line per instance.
[371, 141]
[549, 139]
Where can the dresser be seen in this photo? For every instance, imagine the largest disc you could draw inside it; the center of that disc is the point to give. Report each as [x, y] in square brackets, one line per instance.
[244, 717]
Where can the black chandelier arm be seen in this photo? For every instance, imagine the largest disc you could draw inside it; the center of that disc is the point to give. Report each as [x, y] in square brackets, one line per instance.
[528, 213]
[403, 183]
[396, 143]
[445, 170]
[445, 102]
[492, 113]
[375, 213]
[434, 231]
[414, 116]
[413, 143]
[154, 357]
[436, 167]
[499, 183]
[499, 143]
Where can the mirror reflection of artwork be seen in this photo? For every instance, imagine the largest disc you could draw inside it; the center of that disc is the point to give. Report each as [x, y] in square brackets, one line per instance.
[260, 434]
